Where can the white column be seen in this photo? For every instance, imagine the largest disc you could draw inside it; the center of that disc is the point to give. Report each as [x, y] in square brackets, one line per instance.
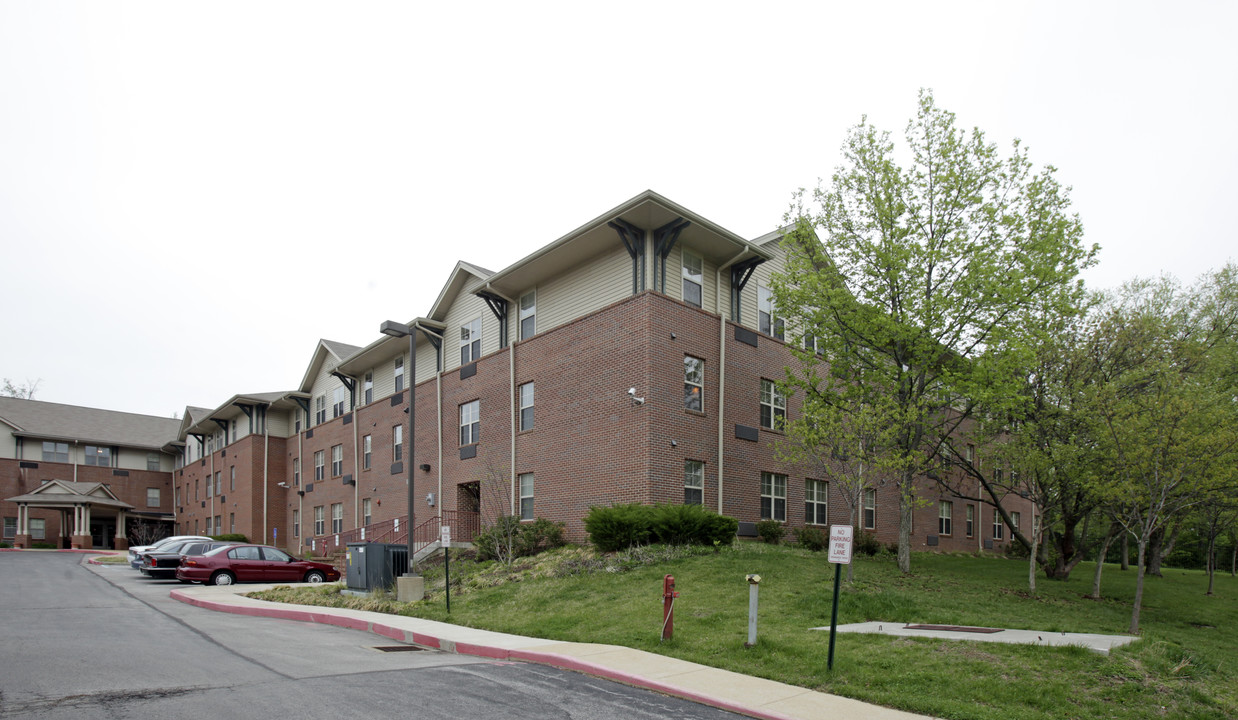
[21, 519]
[120, 523]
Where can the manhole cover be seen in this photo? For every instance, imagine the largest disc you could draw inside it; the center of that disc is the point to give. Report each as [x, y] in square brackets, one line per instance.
[397, 648]
[953, 628]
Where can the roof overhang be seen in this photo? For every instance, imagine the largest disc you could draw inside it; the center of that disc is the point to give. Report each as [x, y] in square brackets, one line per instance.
[384, 349]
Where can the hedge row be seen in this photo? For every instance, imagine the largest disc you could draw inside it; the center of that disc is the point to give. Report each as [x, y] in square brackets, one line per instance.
[619, 527]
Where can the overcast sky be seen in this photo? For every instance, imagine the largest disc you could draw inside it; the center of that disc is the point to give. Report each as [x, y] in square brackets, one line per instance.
[192, 194]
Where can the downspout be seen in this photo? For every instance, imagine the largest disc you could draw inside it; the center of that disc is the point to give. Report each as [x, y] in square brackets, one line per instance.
[266, 490]
[722, 371]
[511, 382]
[299, 484]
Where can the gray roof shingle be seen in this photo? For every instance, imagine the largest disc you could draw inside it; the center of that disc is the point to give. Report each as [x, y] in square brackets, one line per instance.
[33, 418]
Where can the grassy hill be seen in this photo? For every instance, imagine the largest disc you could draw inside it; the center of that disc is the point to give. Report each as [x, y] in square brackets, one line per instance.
[1185, 665]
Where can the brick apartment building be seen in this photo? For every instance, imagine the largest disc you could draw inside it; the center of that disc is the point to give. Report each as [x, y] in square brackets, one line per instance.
[631, 360]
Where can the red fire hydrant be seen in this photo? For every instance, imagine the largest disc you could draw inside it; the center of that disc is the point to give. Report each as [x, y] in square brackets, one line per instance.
[668, 606]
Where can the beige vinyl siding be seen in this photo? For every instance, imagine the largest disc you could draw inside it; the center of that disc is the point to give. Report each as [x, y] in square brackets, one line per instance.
[8, 444]
[584, 290]
[325, 384]
[427, 357]
[466, 308]
[760, 276]
[281, 422]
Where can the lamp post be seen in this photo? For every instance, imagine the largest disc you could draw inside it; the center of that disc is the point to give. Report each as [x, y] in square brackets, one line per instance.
[395, 329]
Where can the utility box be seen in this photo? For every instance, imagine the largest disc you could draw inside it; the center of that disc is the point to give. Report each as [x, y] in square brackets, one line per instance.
[375, 566]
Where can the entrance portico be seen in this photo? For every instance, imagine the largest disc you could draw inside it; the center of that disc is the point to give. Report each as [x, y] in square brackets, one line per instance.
[84, 503]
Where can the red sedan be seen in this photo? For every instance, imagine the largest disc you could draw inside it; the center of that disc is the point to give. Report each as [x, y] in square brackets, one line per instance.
[252, 563]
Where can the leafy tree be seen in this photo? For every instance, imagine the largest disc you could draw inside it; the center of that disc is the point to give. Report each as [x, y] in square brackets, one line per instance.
[1167, 421]
[923, 285]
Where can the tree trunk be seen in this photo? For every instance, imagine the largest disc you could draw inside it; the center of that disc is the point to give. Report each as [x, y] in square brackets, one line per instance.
[1233, 561]
[1126, 551]
[1100, 559]
[1032, 563]
[1153, 557]
[1139, 573]
[904, 531]
[851, 565]
[1211, 562]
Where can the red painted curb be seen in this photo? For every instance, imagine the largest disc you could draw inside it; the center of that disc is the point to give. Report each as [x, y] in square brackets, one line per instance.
[541, 658]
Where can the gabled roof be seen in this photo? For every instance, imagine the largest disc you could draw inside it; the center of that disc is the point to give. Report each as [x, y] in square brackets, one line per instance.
[66, 492]
[53, 421]
[455, 284]
[384, 348]
[330, 352]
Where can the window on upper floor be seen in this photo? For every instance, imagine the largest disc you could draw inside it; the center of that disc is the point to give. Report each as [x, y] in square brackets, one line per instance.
[773, 496]
[693, 384]
[693, 482]
[693, 278]
[767, 322]
[773, 406]
[816, 502]
[99, 456]
[399, 373]
[232, 479]
[526, 407]
[320, 465]
[219, 482]
[337, 460]
[320, 409]
[367, 451]
[470, 341]
[337, 517]
[470, 422]
[528, 314]
[397, 443]
[152, 497]
[368, 387]
[55, 452]
[152, 461]
[296, 472]
[338, 400]
[870, 509]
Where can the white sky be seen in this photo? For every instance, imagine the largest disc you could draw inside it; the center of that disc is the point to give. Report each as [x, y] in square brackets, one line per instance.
[192, 194]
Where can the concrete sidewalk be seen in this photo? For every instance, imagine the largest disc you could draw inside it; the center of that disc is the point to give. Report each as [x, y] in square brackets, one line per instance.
[679, 678]
[1092, 641]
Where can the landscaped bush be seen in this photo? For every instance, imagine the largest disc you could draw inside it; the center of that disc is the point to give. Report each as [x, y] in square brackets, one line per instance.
[866, 543]
[812, 538]
[771, 531]
[623, 526]
[43, 546]
[230, 537]
[4, 545]
[509, 538]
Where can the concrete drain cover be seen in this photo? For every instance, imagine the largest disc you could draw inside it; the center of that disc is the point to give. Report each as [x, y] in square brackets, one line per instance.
[397, 648]
[953, 628]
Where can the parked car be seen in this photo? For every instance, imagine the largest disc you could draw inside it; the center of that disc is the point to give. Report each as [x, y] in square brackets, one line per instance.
[164, 562]
[252, 563]
[135, 553]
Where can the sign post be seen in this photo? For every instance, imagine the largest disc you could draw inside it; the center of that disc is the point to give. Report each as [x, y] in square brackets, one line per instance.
[840, 554]
[445, 540]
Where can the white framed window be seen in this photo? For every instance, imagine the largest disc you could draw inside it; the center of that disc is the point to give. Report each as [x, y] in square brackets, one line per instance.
[528, 314]
[232, 479]
[767, 322]
[693, 384]
[296, 523]
[232, 522]
[870, 509]
[37, 528]
[773, 496]
[969, 454]
[945, 518]
[320, 409]
[971, 521]
[470, 341]
[219, 482]
[367, 517]
[98, 456]
[55, 452]
[320, 465]
[693, 482]
[773, 406]
[337, 460]
[10, 527]
[1015, 517]
[997, 525]
[296, 472]
[367, 450]
[399, 373]
[152, 497]
[337, 517]
[526, 496]
[368, 387]
[397, 443]
[338, 398]
[210, 526]
[816, 502]
[526, 406]
[693, 278]
[320, 520]
[470, 422]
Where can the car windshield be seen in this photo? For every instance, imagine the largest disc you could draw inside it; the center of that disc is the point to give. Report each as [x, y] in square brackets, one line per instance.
[166, 544]
[171, 547]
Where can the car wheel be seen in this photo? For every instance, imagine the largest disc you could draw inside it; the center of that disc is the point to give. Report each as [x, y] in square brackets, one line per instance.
[313, 576]
[222, 578]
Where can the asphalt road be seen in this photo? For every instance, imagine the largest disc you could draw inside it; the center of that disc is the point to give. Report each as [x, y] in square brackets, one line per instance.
[80, 641]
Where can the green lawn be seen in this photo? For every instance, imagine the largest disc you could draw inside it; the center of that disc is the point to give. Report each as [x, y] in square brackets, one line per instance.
[1184, 665]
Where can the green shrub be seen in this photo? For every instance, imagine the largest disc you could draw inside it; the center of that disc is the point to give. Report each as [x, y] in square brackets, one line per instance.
[4, 545]
[43, 546]
[619, 527]
[508, 538]
[812, 538]
[539, 536]
[771, 531]
[231, 537]
[721, 530]
[866, 543]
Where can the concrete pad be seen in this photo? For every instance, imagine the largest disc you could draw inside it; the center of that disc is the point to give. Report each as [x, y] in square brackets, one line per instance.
[1092, 641]
[624, 660]
[820, 705]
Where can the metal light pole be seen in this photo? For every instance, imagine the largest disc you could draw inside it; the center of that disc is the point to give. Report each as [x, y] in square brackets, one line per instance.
[395, 329]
